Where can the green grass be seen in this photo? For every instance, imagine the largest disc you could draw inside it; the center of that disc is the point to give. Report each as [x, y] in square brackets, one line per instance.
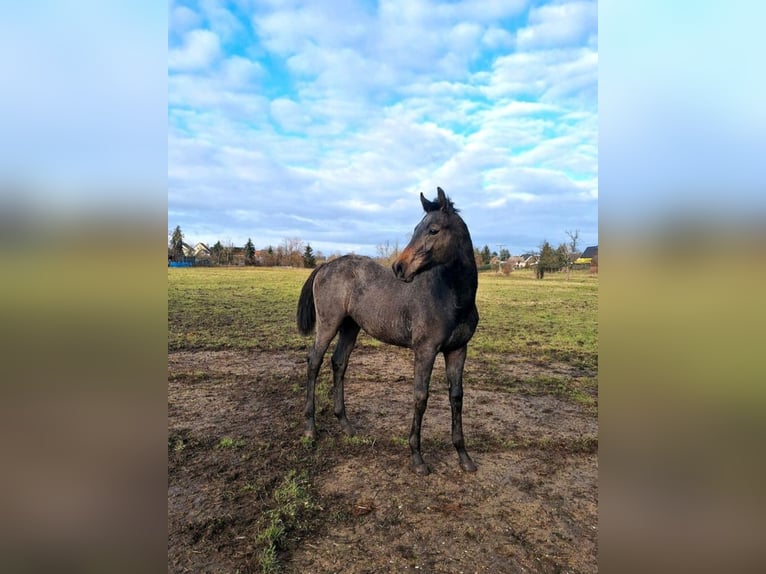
[548, 320]
[293, 503]
[522, 318]
[357, 440]
[228, 442]
[222, 308]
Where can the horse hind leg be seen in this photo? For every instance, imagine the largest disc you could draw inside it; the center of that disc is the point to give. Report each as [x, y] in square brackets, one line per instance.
[315, 358]
[348, 333]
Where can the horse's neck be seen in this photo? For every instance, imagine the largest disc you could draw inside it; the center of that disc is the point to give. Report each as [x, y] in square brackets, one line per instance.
[462, 278]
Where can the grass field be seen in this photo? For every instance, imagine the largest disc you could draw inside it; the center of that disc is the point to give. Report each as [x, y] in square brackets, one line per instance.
[254, 308]
[245, 494]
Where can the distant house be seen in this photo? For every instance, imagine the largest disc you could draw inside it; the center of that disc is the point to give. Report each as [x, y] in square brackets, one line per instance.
[516, 261]
[587, 256]
[201, 250]
[202, 254]
[526, 260]
[197, 255]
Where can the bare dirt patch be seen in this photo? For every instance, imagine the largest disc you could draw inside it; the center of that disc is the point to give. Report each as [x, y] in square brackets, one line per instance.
[234, 427]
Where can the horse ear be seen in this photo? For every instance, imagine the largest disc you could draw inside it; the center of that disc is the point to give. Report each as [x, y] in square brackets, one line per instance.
[429, 206]
[444, 203]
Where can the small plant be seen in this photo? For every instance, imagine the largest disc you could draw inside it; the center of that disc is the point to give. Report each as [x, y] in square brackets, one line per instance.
[228, 442]
[307, 441]
[359, 440]
[268, 560]
[293, 502]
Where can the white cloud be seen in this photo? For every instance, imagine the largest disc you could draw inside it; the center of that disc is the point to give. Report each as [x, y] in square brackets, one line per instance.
[200, 48]
[182, 19]
[289, 115]
[554, 25]
[550, 75]
[496, 38]
[363, 206]
[477, 10]
[330, 119]
[239, 73]
[226, 25]
[290, 29]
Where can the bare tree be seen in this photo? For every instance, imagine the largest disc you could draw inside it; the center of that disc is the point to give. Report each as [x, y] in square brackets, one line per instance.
[572, 247]
[228, 250]
[292, 249]
[386, 253]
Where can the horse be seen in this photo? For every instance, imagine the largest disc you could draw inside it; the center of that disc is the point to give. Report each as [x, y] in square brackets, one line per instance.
[427, 304]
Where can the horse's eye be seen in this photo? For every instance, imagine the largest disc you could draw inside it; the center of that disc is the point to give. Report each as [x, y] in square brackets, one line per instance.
[433, 230]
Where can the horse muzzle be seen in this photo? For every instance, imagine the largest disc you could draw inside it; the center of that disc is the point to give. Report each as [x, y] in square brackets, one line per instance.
[400, 272]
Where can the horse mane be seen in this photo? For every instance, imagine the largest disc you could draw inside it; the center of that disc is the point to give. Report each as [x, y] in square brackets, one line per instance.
[442, 203]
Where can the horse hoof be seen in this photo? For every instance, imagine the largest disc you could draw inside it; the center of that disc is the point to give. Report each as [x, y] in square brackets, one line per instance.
[420, 469]
[468, 466]
[309, 436]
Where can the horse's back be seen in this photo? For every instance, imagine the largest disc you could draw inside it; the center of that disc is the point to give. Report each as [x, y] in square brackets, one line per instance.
[345, 280]
[351, 272]
[359, 287]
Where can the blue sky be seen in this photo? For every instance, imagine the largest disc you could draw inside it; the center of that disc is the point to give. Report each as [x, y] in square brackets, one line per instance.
[324, 120]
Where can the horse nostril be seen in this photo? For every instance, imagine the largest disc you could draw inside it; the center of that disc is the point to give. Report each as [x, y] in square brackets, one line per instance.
[397, 267]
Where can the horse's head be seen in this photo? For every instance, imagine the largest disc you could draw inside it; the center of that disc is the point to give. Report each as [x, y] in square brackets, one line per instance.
[440, 238]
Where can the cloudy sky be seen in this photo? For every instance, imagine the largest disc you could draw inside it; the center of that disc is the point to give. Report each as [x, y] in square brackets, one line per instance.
[324, 120]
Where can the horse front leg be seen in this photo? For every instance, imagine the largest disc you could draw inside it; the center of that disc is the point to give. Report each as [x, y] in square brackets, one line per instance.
[453, 363]
[424, 363]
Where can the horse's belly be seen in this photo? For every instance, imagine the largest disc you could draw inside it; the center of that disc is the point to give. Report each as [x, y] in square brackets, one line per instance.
[390, 331]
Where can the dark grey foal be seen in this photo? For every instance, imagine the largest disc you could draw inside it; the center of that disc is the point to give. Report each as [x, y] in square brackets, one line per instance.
[428, 304]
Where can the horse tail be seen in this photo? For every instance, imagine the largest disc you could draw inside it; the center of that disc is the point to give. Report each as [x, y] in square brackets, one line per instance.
[307, 315]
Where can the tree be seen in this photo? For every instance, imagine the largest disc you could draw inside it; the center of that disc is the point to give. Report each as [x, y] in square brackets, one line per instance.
[572, 248]
[217, 251]
[486, 256]
[573, 238]
[177, 243]
[477, 257]
[271, 257]
[228, 251]
[249, 252]
[291, 252]
[308, 257]
[549, 260]
[505, 254]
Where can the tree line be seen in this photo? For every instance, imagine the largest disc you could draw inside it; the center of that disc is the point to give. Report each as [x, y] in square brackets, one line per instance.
[292, 252]
[545, 258]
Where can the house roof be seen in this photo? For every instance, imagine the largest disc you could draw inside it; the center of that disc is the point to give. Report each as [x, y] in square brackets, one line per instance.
[589, 252]
[201, 248]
